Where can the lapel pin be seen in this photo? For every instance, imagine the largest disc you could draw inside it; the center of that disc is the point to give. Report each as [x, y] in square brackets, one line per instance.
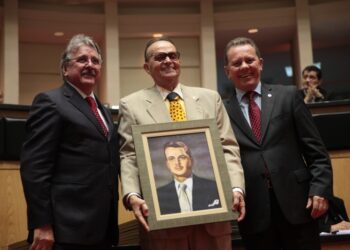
[269, 95]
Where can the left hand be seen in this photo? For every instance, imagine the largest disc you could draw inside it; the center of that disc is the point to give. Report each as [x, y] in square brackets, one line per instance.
[238, 204]
[343, 225]
[319, 206]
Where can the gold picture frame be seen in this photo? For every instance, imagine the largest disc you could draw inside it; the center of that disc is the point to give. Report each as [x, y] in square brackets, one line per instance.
[203, 139]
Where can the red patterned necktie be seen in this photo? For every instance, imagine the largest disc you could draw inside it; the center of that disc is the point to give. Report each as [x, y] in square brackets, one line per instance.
[254, 115]
[93, 106]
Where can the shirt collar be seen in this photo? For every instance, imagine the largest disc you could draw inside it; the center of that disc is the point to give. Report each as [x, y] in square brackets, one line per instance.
[188, 182]
[83, 95]
[164, 92]
[241, 93]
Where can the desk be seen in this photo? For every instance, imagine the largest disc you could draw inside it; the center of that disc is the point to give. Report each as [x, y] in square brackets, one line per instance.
[335, 242]
[329, 106]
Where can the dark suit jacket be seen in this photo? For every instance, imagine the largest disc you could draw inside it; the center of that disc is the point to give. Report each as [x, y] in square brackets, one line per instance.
[69, 169]
[292, 151]
[204, 194]
[335, 214]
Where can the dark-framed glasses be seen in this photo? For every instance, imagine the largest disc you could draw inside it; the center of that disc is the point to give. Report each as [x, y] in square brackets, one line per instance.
[86, 59]
[160, 57]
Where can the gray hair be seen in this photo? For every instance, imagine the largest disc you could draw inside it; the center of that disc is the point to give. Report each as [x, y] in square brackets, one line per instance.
[74, 44]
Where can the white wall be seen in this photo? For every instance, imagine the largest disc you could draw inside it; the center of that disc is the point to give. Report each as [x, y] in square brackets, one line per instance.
[39, 69]
[39, 66]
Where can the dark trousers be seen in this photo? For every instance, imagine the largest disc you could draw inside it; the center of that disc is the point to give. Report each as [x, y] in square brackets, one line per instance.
[283, 235]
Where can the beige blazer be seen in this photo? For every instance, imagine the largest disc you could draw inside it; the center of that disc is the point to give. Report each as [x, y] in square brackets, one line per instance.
[146, 107]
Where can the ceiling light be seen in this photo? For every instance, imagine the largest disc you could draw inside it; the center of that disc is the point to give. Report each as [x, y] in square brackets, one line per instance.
[58, 33]
[155, 35]
[254, 30]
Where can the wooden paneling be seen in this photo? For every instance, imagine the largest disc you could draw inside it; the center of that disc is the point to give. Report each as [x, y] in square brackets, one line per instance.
[13, 226]
[341, 173]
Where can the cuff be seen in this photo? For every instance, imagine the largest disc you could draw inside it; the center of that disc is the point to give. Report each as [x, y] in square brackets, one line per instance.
[127, 198]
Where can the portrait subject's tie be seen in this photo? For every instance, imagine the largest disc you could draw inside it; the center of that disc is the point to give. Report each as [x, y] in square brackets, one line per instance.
[185, 205]
[93, 106]
[177, 113]
[254, 115]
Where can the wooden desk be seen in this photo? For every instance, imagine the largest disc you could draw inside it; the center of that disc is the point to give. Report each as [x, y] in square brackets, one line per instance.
[330, 106]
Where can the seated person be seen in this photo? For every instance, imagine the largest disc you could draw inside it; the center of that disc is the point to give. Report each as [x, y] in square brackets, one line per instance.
[336, 218]
[312, 78]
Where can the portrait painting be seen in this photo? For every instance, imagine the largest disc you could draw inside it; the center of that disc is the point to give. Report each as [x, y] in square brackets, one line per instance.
[183, 173]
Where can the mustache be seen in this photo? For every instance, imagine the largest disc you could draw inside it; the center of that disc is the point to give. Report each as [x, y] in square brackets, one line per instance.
[89, 72]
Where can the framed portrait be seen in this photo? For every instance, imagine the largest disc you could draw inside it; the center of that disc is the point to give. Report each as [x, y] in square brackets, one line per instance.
[183, 173]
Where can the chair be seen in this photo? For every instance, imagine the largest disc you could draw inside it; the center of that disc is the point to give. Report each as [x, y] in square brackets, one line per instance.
[14, 135]
[334, 129]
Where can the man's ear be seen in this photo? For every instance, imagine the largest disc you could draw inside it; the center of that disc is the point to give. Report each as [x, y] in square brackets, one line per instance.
[146, 67]
[261, 62]
[227, 71]
[64, 71]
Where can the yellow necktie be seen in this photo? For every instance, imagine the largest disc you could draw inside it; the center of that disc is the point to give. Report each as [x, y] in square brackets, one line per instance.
[177, 112]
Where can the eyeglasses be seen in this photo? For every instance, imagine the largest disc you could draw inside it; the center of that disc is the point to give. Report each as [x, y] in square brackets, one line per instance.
[85, 60]
[160, 57]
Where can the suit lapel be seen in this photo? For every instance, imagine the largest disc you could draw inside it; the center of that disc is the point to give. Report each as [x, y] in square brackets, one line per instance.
[157, 110]
[155, 105]
[267, 103]
[236, 115]
[194, 111]
[79, 103]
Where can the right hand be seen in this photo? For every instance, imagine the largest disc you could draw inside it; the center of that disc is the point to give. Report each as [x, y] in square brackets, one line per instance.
[43, 238]
[239, 205]
[312, 92]
[140, 209]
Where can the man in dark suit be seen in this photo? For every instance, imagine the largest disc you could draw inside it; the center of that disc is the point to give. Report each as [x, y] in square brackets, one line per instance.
[69, 161]
[150, 106]
[199, 193]
[287, 169]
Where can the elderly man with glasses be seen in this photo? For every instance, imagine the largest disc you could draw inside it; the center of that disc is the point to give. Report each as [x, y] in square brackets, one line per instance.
[69, 162]
[155, 105]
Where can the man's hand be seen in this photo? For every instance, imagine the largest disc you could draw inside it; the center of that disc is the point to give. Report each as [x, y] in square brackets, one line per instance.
[43, 238]
[239, 205]
[140, 209]
[343, 225]
[311, 92]
[319, 206]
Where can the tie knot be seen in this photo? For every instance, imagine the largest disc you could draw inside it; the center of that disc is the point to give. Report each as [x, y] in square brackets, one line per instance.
[250, 95]
[91, 101]
[183, 186]
[172, 96]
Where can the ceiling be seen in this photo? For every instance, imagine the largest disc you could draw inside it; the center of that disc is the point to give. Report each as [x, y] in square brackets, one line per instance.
[274, 18]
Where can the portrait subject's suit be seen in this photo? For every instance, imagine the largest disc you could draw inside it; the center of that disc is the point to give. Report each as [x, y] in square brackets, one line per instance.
[291, 150]
[147, 107]
[69, 169]
[204, 196]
